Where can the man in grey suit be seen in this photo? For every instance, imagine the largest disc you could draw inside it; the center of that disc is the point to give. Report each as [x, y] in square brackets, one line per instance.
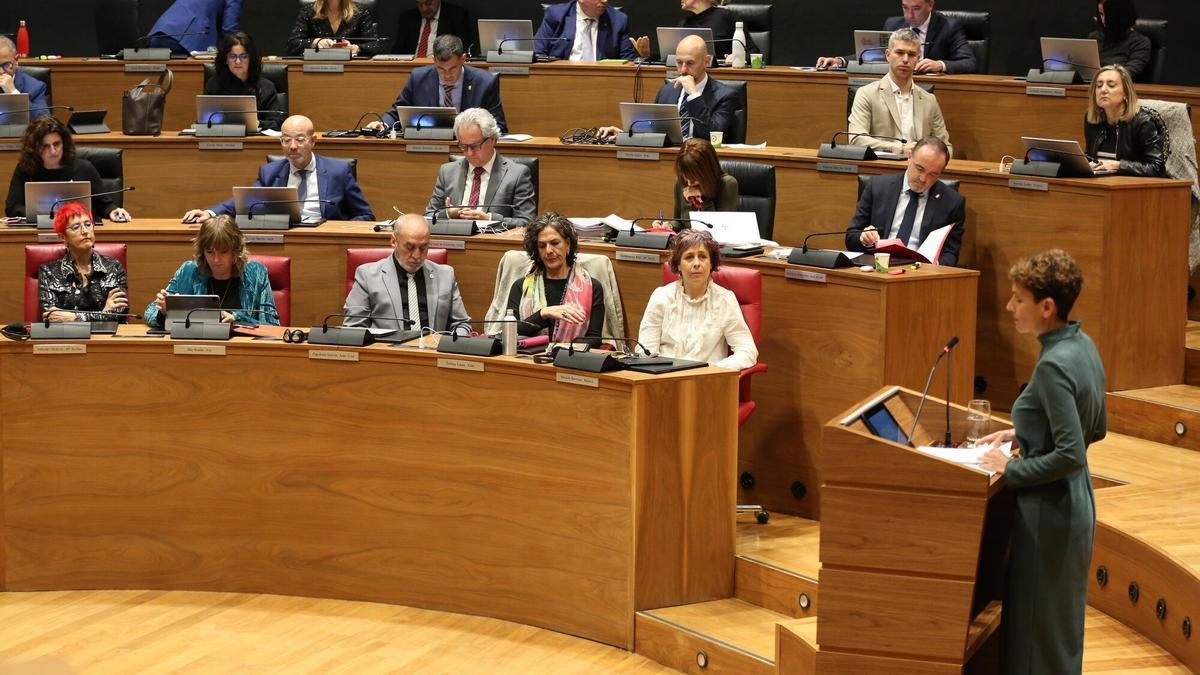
[482, 179]
[407, 285]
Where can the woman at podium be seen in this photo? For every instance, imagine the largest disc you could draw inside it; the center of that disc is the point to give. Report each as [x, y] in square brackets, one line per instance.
[1057, 416]
[82, 285]
[1121, 135]
[239, 73]
[557, 298]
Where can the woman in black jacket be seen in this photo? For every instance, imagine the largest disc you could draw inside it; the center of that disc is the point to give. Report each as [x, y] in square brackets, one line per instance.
[1120, 134]
[334, 23]
[239, 73]
[1119, 43]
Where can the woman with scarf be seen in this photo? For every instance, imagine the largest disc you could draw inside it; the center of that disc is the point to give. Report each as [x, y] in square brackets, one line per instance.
[556, 298]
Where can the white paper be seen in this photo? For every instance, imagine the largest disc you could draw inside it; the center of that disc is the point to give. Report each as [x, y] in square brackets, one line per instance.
[516, 138]
[728, 227]
[966, 456]
[744, 146]
[933, 243]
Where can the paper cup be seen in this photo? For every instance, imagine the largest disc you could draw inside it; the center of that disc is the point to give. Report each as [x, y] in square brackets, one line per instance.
[716, 137]
[756, 60]
[881, 262]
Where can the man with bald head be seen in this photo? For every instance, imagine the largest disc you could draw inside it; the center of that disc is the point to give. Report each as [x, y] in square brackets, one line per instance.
[709, 102]
[407, 285]
[326, 186]
[13, 81]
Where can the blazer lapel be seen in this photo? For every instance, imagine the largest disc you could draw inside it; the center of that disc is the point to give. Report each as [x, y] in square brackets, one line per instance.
[889, 101]
[431, 292]
[457, 193]
[323, 182]
[891, 200]
[933, 204]
[499, 168]
[918, 96]
[392, 283]
[468, 97]
[568, 29]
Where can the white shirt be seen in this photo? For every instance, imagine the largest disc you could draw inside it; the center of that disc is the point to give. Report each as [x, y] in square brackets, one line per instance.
[705, 329]
[904, 104]
[310, 210]
[483, 182]
[914, 237]
[581, 25]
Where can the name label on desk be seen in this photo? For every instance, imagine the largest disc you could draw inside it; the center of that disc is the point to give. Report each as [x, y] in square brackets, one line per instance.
[453, 244]
[510, 70]
[1061, 92]
[837, 168]
[48, 238]
[263, 238]
[10, 147]
[332, 355]
[425, 147]
[644, 156]
[633, 256]
[200, 350]
[804, 275]
[145, 67]
[60, 349]
[1022, 184]
[461, 364]
[581, 380]
[324, 67]
[220, 145]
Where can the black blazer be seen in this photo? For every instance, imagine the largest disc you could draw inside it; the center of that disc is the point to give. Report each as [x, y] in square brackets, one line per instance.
[454, 20]
[309, 28]
[946, 42]
[877, 207]
[713, 111]
[1141, 143]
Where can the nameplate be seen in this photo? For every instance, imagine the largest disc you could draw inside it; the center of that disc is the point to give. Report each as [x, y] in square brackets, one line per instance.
[453, 244]
[1022, 184]
[10, 147]
[461, 364]
[644, 156]
[633, 256]
[145, 67]
[860, 81]
[332, 355]
[1046, 91]
[580, 380]
[324, 67]
[805, 275]
[425, 147]
[263, 238]
[837, 168]
[48, 238]
[220, 145]
[200, 350]
[60, 349]
[509, 70]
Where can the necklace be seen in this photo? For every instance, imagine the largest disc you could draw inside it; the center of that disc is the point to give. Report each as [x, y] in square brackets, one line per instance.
[212, 287]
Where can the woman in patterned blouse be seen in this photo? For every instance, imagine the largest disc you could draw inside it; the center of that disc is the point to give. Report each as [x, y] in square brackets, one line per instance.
[82, 285]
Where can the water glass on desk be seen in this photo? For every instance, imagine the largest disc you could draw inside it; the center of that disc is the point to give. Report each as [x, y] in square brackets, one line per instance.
[979, 415]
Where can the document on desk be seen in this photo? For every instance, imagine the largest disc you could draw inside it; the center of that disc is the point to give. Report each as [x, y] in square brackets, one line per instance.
[596, 226]
[968, 457]
[927, 252]
[728, 227]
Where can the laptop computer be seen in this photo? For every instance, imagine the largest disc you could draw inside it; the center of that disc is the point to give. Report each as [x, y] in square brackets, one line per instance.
[670, 36]
[652, 117]
[227, 110]
[870, 46]
[517, 32]
[1080, 55]
[178, 307]
[416, 117]
[1068, 153]
[14, 115]
[268, 208]
[43, 198]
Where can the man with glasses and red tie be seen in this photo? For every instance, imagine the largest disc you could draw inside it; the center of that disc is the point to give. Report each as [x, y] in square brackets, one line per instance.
[482, 185]
[325, 186]
[13, 81]
[422, 25]
[944, 46]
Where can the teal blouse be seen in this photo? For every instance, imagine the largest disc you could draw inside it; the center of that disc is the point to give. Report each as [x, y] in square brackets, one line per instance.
[256, 293]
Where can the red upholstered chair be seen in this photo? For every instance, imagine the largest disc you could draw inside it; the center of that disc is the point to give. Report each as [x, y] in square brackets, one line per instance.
[279, 272]
[356, 257]
[746, 284]
[38, 254]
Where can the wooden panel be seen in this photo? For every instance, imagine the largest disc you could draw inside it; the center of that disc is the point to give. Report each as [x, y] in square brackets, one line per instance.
[796, 647]
[676, 647]
[1133, 460]
[922, 341]
[773, 588]
[1152, 414]
[839, 663]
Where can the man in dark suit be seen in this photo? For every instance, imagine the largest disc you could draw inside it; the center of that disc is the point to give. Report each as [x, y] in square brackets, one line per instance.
[13, 81]
[317, 179]
[590, 31]
[946, 49]
[210, 18]
[420, 26]
[482, 184]
[449, 83]
[910, 205]
[707, 100]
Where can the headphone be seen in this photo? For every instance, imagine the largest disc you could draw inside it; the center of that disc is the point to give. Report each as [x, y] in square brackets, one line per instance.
[16, 331]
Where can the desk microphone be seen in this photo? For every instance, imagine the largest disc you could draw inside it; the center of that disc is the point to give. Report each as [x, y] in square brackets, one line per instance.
[213, 113]
[434, 218]
[641, 219]
[628, 137]
[535, 40]
[314, 200]
[187, 320]
[1069, 63]
[624, 344]
[732, 41]
[823, 258]
[63, 200]
[925, 393]
[832, 150]
[40, 107]
[146, 38]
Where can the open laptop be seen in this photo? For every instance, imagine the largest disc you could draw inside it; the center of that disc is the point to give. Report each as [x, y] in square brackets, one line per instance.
[14, 115]
[41, 198]
[870, 46]
[1080, 55]
[178, 307]
[670, 36]
[227, 110]
[518, 32]
[251, 203]
[416, 117]
[1067, 153]
[645, 114]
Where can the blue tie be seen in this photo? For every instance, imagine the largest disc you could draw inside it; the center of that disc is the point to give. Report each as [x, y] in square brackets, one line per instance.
[910, 217]
[302, 188]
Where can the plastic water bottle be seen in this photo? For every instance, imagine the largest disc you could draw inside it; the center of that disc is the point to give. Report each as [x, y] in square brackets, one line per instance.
[22, 41]
[739, 45]
[509, 334]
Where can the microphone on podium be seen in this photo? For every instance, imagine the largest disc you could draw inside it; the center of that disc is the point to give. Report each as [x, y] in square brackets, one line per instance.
[950, 345]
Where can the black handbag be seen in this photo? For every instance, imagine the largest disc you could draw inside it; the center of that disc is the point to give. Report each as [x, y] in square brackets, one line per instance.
[143, 106]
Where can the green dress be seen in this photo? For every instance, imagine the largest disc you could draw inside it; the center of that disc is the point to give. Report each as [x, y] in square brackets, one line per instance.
[1059, 414]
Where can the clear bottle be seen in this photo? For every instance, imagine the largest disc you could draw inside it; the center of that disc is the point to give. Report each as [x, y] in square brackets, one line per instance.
[509, 334]
[22, 41]
[739, 45]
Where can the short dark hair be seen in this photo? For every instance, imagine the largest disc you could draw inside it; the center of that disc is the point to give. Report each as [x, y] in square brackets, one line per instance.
[937, 144]
[559, 224]
[1050, 274]
[447, 47]
[225, 77]
[30, 161]
[1120, 16]
[697, 159]
[690, 239]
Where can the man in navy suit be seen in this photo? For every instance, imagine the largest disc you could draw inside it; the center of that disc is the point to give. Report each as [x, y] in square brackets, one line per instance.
[590, 31]
[13, 81]
[314, 177]
[211, 18]
[910, 205]
[945, 46]
[449, 83]
[420, 26]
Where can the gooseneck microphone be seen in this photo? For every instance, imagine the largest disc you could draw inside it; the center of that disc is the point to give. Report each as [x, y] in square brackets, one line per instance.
[62, 200]
[832, 150]
[824, 258]
[144, 39]
[187, 320]
[535, 40]
[950, 344]
[804, 245]
[406, 323]
[34, 108]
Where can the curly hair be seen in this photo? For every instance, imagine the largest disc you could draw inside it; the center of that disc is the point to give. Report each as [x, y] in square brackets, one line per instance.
[689, 239]
[225, 77]
[559, 224]
[220, 234]
[30, 161]
[1050, 274]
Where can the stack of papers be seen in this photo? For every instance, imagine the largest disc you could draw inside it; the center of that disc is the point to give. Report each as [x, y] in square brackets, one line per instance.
[598, 227]
[966, 456]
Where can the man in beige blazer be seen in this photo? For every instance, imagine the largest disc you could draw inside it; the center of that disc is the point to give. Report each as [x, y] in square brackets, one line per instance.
[894, 107]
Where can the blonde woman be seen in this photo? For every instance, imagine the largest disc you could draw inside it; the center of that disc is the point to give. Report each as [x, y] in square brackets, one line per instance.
[1120, 134]
[334, 23]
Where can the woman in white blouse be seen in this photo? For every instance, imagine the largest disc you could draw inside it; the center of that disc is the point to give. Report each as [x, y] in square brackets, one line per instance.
[694, 318]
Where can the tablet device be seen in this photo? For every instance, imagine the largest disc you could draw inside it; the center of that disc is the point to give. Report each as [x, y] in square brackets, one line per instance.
[880, 421]
[178, 306]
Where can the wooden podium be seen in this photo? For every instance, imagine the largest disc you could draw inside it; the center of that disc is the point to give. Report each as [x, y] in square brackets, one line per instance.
[912, 548]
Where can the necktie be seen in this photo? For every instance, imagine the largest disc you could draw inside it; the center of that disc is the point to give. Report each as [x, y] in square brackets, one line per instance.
[910, 217]
[589, 47]
[414, 304]
[423, 43]
[476, 182]
[921, 35]
[302, 188]
[685, 125]
[448, 95]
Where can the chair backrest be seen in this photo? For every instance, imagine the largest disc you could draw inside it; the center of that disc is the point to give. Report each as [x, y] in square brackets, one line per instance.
[530, 163]
[357, 257]
[279, 273]
[853, 84]
[352, 160]
[756, 191]
[368, 5]
[741, 115]
[116, 24]
[746, 285]
[110, 165]
[864, 181]
[37, 255]
[978, 28]
[514, 264]
[1156, 30]
[758, 22]
[42, 74]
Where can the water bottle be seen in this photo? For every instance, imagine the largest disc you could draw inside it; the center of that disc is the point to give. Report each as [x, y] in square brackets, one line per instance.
[22, 41]
[739, 45]
[509, 334]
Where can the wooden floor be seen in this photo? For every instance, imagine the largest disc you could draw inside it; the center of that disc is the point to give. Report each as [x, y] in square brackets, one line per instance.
[788, 542]
[1137, 461]
[1110, 646]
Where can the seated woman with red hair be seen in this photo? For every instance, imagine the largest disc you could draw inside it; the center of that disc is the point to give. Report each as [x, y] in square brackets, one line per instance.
[82, 285]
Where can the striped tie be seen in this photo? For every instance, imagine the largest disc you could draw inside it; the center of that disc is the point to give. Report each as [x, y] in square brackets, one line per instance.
[448, 98]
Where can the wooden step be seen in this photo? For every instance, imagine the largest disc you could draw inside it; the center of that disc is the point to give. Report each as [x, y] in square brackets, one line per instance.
[726, 636]
[1191, 360]
[796, 647]
[1110, 646]
[777, 563]
[1169, 414]
[1121, 459]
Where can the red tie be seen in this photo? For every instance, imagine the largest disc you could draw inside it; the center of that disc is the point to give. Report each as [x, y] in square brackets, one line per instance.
[423, 43]
[476, 182]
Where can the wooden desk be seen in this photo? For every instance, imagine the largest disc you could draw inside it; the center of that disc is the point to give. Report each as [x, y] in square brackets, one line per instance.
[572, 520]
[986, 114]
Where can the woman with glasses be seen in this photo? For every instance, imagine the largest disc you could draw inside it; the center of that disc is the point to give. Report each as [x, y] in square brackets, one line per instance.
[239, 73]
[82, 285]
[13, 81]
[48, 155]
[334, 23]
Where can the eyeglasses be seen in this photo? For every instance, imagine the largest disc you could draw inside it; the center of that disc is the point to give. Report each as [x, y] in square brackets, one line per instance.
[238, 57]
[472, 147]
[81, 226]
[8, 66]
[288, 140]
